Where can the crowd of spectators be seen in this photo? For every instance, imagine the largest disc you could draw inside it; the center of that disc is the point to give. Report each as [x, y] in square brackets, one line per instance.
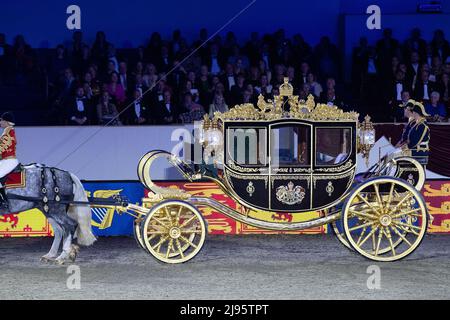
[97, 84]
[390, 73]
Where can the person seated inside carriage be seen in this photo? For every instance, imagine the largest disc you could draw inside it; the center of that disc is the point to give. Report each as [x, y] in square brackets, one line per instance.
[7, 151]
[332, 145]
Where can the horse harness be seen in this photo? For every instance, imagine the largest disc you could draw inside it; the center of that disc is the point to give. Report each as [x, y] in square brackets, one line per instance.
[43, 188]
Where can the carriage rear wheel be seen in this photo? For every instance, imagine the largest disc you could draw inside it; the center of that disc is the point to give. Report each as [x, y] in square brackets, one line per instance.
[174, 231]
[384, 219]
[338, 230]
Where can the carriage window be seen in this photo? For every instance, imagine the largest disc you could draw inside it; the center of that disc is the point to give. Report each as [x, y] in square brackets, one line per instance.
[332, 145]
[247, 146]
[290, 145]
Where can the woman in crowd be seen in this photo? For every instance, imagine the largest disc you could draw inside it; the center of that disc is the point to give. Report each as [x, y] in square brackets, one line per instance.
[91, 87]
[314, 87]
[435, 109]
[218, 105]
[192, 111]
[115, 89]
[150, 75]
[264, 88]
[106, 111]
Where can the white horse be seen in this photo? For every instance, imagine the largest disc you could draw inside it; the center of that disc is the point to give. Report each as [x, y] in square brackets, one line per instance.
[51, 190]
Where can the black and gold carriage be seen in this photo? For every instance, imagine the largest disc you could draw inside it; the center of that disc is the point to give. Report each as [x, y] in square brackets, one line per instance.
[288, 156]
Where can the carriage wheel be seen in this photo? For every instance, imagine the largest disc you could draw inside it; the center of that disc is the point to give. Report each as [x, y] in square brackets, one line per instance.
[138, 227]
[385, 219]
[174, 231]
[338, 230]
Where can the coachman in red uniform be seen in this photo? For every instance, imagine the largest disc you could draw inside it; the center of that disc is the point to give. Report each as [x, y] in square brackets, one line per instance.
[8, 159]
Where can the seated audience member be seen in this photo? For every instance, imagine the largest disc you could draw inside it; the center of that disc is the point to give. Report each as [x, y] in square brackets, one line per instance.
[424, 87]
[106, 111]
[124, 77]
[236, 95]
[166, 112]
[115, 89]
[217, 105]
[412, 69]
[314, 87]
[150, 75]
[264, 87]
[399, 112]
[138, 113]
[189, 87]
[66, 86]
[58, 64]
[139, 83]
[435, 109]
[91, 87]
[330, 98]
[396, 88]
[79, 109]
[229, 78]
[191, 111]
[215, 59]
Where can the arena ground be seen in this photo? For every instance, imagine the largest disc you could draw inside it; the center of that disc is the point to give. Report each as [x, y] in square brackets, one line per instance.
[229, 267]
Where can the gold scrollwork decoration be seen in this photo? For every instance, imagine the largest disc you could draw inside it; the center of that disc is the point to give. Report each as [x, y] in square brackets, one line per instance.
[298, 109]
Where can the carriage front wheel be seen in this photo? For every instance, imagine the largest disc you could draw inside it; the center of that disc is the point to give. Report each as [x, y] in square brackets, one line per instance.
[173, 231]
[384, 219]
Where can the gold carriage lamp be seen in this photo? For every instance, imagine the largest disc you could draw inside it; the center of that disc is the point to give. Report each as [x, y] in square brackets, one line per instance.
[210, 134]
[366, 138]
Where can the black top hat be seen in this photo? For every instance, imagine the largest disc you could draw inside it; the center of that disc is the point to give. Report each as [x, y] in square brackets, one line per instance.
[419, 109]
[8, 116]
[409, 104]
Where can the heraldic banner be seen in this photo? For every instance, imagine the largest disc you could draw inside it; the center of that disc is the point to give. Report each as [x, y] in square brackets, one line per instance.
[107, 222]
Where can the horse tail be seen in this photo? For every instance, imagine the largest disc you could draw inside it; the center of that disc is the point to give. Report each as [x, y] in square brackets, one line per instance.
[82, 214]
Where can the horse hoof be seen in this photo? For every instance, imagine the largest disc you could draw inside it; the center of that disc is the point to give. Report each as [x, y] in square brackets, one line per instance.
[73, 256]
[74, 252]
[47, 259]
[60, 262]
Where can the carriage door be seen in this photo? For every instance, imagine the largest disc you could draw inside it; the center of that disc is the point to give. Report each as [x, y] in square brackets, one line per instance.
[290, 166]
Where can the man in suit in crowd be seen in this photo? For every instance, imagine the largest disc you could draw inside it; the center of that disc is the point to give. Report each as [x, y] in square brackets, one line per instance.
[139, 112]
[424, 87]
[166, 112]
[79, 109]
[236, 95]
[215, 60]
[396, 89]
[228, 79]
[163, 61]
[413, 69]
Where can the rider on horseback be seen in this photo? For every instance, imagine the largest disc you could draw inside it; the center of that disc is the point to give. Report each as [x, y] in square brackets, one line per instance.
[8, 159]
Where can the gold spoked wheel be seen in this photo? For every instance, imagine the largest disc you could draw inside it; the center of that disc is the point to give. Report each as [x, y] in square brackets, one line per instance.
[384, 219]
[174, 231]
[338, 230]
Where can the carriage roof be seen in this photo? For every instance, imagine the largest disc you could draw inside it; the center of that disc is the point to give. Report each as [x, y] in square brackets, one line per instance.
[286, 106]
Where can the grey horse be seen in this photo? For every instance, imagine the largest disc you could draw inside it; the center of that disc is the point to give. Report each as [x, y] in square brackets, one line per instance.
[43, 187]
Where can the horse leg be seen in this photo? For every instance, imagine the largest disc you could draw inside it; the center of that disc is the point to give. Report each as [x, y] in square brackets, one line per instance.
[67, 247]
[58, 233]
